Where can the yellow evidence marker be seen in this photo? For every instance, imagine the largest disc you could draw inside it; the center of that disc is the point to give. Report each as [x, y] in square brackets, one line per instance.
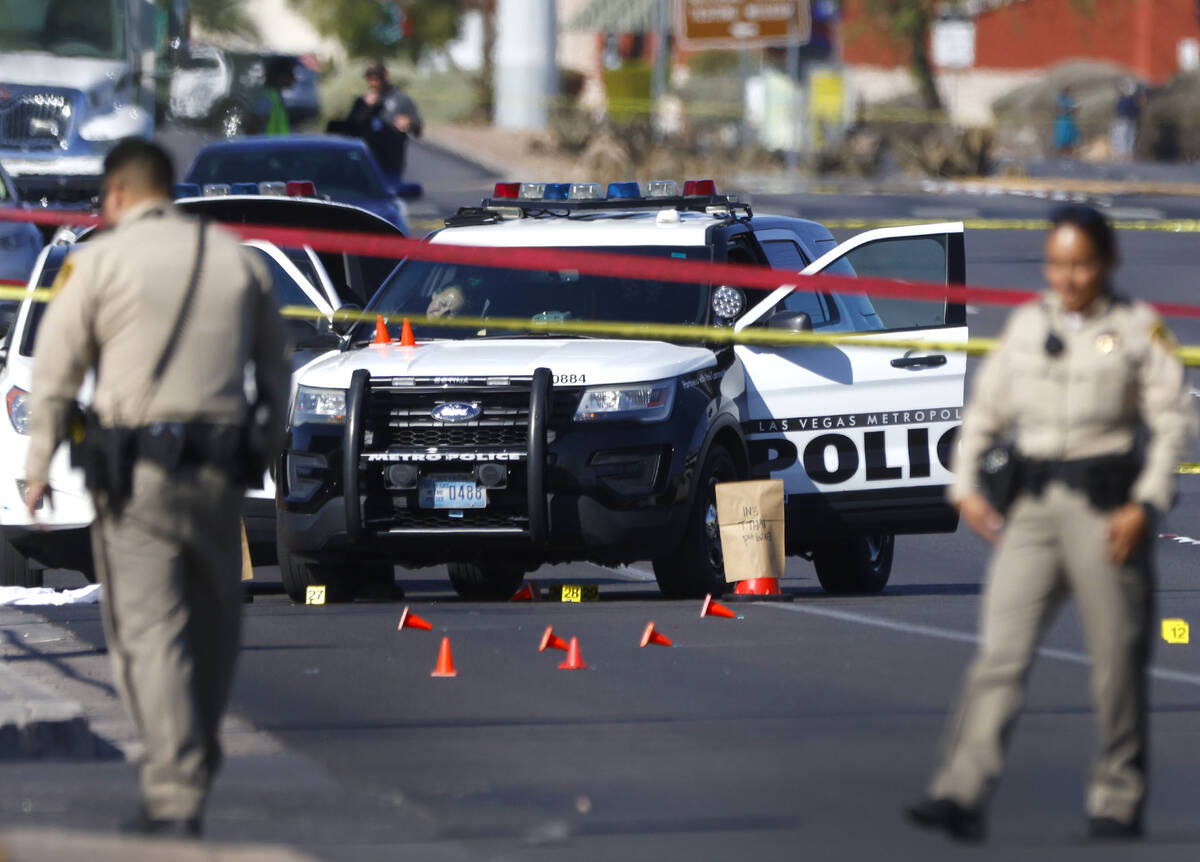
[314, 595]
[574, 592]
[1175, 631]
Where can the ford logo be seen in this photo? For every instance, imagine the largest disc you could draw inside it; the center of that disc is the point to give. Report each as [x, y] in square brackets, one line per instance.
[455, 411]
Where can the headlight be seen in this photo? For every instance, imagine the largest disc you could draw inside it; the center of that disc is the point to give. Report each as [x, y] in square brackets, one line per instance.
[17, 401]
[326, 406]
[641, 402]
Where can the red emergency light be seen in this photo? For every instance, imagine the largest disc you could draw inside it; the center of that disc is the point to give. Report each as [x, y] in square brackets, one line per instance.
[507, 190]
[699, 187]
[301, 189]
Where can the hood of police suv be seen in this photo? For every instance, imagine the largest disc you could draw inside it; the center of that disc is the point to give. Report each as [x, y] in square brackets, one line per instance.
[573, 361]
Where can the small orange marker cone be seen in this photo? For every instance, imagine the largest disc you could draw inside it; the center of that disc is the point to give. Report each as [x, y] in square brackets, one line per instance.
[653, 636]
[573, 661]
[409, 620]
[712, 608]
[551, 641]
[445, 662]
[406, 335]
[528, 593]
[758, 587]
[381, 331]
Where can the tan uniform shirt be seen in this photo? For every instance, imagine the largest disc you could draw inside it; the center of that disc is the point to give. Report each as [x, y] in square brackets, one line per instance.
[1117, 373]
[116, 302]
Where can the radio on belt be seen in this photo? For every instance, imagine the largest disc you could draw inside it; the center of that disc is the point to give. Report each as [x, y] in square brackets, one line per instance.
[495, 452]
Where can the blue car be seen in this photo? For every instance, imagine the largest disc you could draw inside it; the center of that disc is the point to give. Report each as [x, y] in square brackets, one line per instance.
[342, 169]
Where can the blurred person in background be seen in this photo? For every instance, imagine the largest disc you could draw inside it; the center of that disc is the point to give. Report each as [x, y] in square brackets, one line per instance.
[1125, 120]
[279, 76]
[1086, 400]
[1066, 129]
[385, 117]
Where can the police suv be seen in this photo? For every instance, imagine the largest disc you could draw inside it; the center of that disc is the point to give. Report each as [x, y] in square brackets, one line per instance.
[497, 451]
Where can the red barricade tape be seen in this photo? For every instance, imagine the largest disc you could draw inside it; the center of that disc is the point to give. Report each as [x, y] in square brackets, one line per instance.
[596, 263]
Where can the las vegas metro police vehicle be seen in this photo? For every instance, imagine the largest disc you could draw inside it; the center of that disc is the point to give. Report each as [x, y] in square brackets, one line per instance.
[299, 277]
[496, 452]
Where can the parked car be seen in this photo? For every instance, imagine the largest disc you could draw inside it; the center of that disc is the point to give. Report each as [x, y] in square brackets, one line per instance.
[342, 169]
[222, 90]
[20, 243]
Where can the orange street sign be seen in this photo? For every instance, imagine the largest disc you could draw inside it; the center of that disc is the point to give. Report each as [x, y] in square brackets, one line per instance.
[703, 24]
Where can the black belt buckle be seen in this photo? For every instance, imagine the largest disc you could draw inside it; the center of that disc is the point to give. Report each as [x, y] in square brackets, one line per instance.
[165, 442]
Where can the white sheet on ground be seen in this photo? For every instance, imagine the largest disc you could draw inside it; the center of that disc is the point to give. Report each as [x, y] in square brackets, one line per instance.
[32, 596]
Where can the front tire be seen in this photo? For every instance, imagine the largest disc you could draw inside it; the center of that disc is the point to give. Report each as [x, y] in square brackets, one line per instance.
[697, 566]
[299, 574]
[860, 565]
[15, 568]
[477, 581]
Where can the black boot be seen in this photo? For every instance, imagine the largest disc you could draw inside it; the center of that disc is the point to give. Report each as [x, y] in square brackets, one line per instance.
[1111, 829]
[140, 824]
[959, 822]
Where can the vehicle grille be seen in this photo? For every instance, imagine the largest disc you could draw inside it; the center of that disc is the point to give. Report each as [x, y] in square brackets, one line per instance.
[34, 120]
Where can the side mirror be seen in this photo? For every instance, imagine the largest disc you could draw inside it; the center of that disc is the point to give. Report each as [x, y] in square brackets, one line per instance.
[408, 191]
[346, 318]
[790, 321]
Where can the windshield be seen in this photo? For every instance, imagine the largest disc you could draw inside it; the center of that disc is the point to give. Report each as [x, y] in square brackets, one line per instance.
[420, 287]
[68, 28]
[336, 171]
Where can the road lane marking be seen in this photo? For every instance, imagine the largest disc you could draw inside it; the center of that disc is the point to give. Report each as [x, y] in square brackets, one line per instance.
[957, 636]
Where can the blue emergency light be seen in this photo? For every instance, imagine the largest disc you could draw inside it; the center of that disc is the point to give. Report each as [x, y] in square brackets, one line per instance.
[187, 190]
[623, 190]
[243, 188]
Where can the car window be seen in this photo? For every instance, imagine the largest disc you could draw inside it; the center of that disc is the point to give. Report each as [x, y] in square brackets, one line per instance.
[920, 258]
[786, 254]
[418, 287]
[301, 330]
[37, 309]
[339, 172]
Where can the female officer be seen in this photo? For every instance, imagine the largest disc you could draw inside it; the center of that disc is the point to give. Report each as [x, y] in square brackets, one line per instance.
[1088, 387]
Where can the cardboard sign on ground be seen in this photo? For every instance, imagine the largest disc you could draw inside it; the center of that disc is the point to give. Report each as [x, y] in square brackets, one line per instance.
[750, 515]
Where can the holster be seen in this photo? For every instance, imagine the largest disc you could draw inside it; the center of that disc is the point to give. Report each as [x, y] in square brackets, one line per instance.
[106, 455]
[1106, 480]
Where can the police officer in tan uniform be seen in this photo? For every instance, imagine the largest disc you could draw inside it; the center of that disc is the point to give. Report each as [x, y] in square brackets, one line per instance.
[1086, 387]
[170, 313]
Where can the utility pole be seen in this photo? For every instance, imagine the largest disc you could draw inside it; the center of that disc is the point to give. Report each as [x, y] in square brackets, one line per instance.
[526, 70]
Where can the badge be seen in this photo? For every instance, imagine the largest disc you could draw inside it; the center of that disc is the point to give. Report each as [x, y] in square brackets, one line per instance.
[1162, 336]
[1106, 342]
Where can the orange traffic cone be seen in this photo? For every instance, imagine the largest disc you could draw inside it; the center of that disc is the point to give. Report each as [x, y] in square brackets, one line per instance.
[712, 608]
[573, 661]
[406, 335]
[445, 662]
[409, 620]
[551, 641]
[653, 636]
[381, 331]
[758, 587]
[528, 593]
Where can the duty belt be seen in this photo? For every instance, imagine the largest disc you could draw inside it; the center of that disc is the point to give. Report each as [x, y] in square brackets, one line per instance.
[173, 445]
[1105, 479]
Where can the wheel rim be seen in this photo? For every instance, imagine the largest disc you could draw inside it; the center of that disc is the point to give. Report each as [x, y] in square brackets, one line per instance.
[876, 546]
[712, 534]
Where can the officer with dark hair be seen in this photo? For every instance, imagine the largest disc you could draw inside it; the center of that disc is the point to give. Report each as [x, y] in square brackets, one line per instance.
[1087, 403]
[169, 313]
[384, 116]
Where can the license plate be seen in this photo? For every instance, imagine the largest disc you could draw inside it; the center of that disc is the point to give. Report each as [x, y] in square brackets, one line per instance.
[451, 495]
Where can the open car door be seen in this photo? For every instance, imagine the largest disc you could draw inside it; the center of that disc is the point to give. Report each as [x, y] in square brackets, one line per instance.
[862, 436]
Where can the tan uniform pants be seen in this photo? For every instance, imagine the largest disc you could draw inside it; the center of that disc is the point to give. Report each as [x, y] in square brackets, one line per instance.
[1054, 545]
[171, 569]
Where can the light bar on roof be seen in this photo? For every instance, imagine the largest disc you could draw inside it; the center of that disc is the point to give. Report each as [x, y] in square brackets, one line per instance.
[301, 189]
[695, 188]
[272, 187]
[507, 190]
[585, 192]
[662, 189]
[557, 191]
[216, 190]
[187, 190]
[532, 191]
[624, 190]
[243, 188]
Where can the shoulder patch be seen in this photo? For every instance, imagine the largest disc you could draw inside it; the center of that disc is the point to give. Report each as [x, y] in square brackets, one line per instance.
[1160, 335]
[64, 273]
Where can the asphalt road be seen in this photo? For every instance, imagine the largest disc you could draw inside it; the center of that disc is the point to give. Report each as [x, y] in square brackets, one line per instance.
[793, 732]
